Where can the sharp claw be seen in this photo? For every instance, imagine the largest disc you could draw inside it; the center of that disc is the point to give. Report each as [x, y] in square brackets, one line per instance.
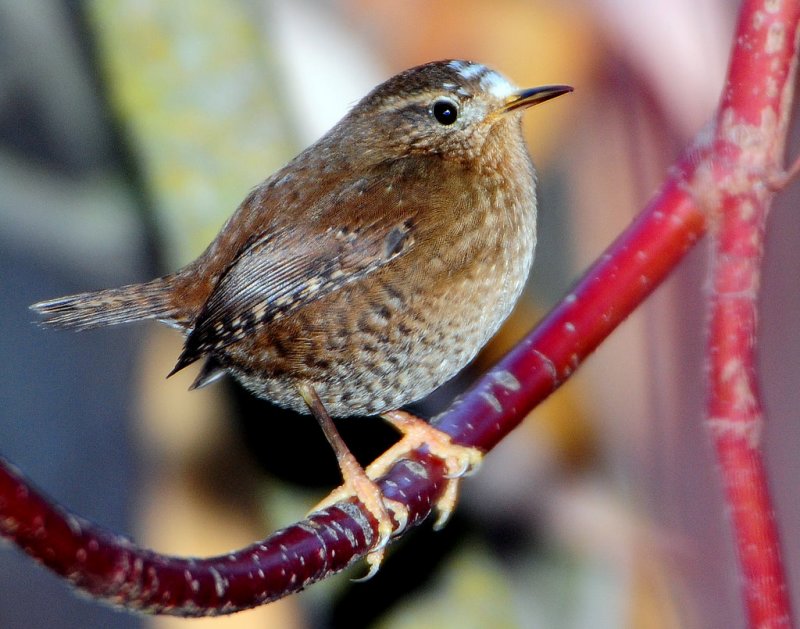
[464, 470]
[442, 520]
[446, 504]
[400, 512]
[374, 559]
[402, 524]
[376, 554]
[469, 464]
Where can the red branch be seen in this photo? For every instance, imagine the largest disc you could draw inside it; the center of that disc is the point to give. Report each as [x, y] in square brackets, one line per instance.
[749, 145]
[722, 179]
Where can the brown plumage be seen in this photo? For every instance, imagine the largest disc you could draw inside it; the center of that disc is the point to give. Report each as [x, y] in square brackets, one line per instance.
[373, 266]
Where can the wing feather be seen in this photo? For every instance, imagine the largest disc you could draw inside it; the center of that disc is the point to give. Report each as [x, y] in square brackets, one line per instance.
[279, 272]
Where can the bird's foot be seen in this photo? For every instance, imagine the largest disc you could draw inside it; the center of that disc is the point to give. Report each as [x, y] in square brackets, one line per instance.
[459, 460]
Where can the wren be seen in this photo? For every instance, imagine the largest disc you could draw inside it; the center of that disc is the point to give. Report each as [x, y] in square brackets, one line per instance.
[368, 270]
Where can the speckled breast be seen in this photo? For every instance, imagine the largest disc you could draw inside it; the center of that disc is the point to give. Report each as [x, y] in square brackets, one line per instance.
[392, 338]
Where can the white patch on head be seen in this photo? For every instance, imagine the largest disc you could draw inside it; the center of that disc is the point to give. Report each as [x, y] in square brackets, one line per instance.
[493, 82]
[497, 85]
[468, 70]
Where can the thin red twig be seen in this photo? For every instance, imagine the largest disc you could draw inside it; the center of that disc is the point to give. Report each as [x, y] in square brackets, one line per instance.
[716, 179]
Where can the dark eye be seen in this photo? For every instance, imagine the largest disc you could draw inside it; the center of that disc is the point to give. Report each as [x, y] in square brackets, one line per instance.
[445, 111]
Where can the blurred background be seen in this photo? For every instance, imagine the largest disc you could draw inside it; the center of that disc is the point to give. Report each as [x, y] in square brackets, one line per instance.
[129, 131]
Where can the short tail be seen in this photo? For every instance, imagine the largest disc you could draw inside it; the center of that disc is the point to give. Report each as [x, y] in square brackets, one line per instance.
[151, 300]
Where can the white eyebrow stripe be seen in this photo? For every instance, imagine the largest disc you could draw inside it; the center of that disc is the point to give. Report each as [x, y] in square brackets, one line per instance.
[456, 89]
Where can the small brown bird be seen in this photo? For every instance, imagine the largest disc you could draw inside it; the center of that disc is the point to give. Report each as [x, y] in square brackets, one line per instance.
[368, 270]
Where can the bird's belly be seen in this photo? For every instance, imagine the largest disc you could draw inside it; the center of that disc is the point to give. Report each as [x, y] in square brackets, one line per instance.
[376, 346]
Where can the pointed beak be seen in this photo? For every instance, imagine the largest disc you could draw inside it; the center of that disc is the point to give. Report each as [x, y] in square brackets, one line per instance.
[533, 96]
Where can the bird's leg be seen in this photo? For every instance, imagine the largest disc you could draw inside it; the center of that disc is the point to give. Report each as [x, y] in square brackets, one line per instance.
[459, 460]
[356, 483]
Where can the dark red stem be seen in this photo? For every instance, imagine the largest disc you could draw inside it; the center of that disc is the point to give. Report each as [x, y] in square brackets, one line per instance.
[111, 568]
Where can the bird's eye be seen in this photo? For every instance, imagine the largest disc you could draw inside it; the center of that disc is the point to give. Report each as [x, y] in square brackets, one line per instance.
[445, 111]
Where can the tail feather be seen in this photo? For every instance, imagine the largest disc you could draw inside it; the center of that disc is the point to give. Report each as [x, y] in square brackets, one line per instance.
[151, 300]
